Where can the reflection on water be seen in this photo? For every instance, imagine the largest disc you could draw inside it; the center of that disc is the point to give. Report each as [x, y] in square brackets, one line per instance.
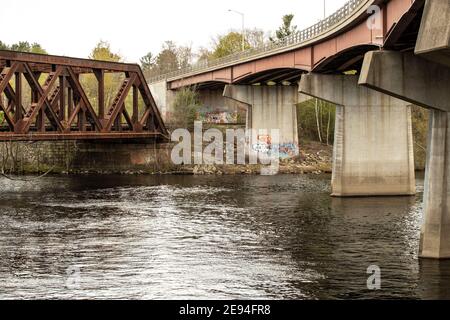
[208, 237]
[434, 279]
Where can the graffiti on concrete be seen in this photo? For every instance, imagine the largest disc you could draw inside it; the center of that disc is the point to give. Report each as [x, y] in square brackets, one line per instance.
[217, 116]
[285, 150]
[263, 144]
[288, 150]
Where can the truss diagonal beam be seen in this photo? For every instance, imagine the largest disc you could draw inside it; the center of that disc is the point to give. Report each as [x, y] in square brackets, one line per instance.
[74, 115]
[119, 102]
[76, 86]
[6, 74]
[43, 93]
[150, 103]
[11, 95]
[8, 117]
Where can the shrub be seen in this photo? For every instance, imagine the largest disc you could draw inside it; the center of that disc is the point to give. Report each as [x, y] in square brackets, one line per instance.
[185, 106]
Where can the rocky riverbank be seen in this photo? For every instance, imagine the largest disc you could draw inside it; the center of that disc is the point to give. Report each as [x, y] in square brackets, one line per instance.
[314, 158]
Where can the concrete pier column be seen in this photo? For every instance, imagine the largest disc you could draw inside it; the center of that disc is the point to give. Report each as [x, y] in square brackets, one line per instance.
[373, 148]
[435, 233]
[164, 99]
[423, 83]
[270, 107]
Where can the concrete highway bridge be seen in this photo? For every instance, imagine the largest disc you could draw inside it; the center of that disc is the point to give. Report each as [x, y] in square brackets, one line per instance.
[373, 59]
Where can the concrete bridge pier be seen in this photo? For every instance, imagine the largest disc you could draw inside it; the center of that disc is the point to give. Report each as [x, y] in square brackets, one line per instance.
[427, 84]
[163, 98]
[373, 147]
[270, 107]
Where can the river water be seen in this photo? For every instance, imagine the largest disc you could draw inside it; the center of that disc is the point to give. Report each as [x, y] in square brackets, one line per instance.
[186, 237]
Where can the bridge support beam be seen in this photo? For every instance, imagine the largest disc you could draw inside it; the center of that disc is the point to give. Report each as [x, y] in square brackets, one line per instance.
[373, 147]
[270, 107]
[424, 83]
[433, 42]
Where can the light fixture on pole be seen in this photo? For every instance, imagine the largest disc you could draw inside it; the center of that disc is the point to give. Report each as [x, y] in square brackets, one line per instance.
[243, 26]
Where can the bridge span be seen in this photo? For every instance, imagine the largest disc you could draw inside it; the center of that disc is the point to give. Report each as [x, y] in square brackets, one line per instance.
[264, 82]
[334, 45]
[42, 98]
[373, 60]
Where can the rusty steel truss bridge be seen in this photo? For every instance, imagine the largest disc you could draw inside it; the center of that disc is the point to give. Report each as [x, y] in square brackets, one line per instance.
[42, 97]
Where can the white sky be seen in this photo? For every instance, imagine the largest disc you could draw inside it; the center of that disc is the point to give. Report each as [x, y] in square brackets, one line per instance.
[135, 27]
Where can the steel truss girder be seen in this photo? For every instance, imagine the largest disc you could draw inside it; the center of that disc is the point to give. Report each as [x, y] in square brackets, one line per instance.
[60, 108]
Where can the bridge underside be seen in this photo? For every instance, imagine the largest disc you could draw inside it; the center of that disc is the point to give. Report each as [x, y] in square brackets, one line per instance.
[46, 97]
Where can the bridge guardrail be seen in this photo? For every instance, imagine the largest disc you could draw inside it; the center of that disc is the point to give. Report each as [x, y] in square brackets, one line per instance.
[294, 39]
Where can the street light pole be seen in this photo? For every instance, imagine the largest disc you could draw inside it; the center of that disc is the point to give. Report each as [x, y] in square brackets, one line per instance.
[324, 9]
[243, 27]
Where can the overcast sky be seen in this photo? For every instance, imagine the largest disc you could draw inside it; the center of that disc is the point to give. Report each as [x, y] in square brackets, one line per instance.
[135, 27]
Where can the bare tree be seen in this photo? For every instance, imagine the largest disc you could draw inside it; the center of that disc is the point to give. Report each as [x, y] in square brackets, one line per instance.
[255, 37]
[184, 55]
[316, 106]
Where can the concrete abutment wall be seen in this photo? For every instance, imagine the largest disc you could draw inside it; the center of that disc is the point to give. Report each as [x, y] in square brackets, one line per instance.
[84, 157]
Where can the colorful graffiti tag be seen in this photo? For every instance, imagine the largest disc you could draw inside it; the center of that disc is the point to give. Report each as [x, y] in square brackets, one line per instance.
[285, 150]
[217, 116]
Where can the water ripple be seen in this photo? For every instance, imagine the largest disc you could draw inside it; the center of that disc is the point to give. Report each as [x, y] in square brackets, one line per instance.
[207, 238]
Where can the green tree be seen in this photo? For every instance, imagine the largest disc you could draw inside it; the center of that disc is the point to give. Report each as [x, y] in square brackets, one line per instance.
[172, 57]
[147, 62]
[286, 29]
[228, 44]
[185, 105]
[36, 48]
[3, 46]
[167, 59]
[231, 43]
[419, 117]
[24, 46]
[102, 51]
[316, 120]
[113, 81]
